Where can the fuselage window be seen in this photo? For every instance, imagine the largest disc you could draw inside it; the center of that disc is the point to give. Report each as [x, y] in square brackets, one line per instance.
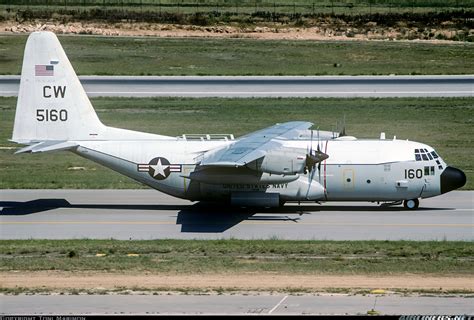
[432, 170]
[427, 171]
[425, 158]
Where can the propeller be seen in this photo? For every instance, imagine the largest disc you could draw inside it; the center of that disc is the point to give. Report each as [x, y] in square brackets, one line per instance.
[314, 158]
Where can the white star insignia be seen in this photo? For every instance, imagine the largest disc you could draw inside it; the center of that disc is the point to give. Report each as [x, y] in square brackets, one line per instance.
[159, 169]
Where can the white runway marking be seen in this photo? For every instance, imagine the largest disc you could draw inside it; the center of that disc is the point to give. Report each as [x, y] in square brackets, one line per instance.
[278, 304]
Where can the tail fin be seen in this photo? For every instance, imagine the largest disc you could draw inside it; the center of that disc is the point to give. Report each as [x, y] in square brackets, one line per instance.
[52, 104]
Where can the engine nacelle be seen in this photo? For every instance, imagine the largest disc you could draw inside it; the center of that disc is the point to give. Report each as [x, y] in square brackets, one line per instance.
[285, 161]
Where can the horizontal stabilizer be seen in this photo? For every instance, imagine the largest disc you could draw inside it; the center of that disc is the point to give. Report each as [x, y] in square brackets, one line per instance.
[47, 146]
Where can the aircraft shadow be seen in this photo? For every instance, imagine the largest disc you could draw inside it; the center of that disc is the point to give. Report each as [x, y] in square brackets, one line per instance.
[201, 217]
[18, 208]
[208, 217]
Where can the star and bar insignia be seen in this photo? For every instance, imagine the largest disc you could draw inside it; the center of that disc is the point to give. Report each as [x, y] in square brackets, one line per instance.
[159, 168]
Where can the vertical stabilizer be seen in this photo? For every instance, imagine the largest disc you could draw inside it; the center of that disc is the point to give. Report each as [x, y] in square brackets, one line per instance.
[52, 104]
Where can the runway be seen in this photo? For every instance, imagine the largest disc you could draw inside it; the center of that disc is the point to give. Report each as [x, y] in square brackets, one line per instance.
[149, 214]
[268, 86]
[235, 304]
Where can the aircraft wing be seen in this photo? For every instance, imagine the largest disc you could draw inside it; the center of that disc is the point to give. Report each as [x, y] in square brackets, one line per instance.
[253, 146]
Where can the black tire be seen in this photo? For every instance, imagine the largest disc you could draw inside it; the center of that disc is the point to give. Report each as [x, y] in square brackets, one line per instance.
[411, 204]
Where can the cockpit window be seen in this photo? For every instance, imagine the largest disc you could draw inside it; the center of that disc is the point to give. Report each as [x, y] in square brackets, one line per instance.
[425, 155]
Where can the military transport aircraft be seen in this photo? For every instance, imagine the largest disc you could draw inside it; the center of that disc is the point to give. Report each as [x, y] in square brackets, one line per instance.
[266, 168]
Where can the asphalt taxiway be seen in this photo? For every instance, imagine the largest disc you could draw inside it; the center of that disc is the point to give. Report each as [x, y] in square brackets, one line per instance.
[149, 214]
[277, 304]
[268, 86]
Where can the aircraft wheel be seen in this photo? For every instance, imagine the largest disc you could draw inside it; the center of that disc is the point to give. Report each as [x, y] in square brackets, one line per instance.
[411, 204]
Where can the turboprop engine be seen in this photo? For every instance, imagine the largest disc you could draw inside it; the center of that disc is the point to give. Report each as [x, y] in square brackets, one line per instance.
[288, 161]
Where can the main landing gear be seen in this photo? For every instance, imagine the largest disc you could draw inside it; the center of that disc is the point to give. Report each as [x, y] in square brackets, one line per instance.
[411, 204]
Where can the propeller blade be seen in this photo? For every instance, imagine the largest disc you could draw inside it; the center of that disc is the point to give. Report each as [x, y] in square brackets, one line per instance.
[319, 171]
[342, 133]
[310, 176]
[319, 150]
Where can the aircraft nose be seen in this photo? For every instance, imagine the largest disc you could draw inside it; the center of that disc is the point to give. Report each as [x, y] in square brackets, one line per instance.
[452, 179]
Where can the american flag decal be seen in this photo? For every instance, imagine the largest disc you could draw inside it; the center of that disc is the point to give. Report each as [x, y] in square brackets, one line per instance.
[42, 70]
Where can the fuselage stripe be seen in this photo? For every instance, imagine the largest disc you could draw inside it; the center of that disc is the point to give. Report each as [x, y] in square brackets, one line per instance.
[146, 167]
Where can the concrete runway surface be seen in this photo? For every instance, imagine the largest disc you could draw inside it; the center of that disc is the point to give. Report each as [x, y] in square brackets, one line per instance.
[268, 86]
[149, 214]
[277, 304]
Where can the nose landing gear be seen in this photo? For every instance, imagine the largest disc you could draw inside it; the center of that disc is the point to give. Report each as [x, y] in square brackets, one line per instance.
[411, 204]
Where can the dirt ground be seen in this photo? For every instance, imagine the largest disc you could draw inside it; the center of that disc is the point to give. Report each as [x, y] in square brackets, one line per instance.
[260, 282]
[183, 31]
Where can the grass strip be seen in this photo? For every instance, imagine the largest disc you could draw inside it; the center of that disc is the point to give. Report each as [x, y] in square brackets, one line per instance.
[167, 56]
[185, 257]
[443, 123]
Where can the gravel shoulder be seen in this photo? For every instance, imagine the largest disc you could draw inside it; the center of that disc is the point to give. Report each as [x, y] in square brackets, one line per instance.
[315, 33]
[59, 280]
